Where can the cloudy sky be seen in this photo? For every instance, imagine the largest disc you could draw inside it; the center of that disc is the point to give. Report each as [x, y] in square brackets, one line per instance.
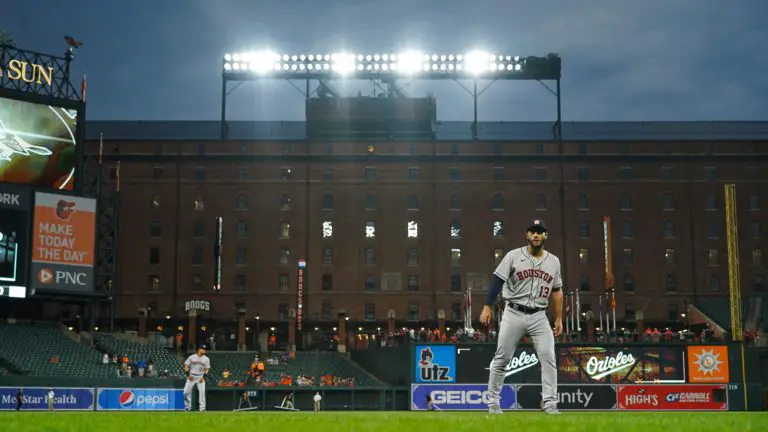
[623, 59]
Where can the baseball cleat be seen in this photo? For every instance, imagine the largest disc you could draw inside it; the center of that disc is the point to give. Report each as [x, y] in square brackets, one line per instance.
[494, 409]
[551, 409]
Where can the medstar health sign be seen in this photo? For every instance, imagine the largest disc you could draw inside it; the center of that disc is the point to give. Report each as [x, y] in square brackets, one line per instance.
[63, 243]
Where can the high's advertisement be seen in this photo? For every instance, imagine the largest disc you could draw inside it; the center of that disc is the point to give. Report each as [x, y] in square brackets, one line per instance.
[459, 397]
[63, 243]
[37, 144]
[15, 205]
[113, 399]
[691, 397]
[36, 398]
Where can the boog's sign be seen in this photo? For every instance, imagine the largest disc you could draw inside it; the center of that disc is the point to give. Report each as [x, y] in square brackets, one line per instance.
[199, 305]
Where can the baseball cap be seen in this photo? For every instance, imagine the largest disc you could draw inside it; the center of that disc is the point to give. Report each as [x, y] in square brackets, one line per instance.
[537, 223]
[202, 346]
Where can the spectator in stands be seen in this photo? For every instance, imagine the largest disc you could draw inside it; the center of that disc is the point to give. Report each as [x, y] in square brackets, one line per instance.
[55, 359]
[114, 358]
[105, 359]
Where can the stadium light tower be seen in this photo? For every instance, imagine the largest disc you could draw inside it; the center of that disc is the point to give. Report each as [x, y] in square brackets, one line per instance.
[385, 69]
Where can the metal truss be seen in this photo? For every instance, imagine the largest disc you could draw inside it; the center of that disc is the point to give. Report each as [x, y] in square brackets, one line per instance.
[43, 75]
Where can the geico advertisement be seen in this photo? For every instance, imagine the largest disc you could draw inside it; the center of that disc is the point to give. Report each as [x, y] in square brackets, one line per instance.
[459, 397]
[36, 398]
[113, 399]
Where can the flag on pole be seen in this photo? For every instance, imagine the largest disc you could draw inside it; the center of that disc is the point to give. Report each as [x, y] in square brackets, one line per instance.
[117, 177]
[82, 89]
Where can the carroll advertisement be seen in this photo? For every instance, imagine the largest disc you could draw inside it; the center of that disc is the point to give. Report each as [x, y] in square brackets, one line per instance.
[63, 243]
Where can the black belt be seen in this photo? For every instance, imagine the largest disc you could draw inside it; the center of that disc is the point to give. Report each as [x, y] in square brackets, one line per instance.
[524, 309]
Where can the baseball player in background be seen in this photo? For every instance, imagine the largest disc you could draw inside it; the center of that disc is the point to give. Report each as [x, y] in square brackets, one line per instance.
[196, 367]
[526, 277]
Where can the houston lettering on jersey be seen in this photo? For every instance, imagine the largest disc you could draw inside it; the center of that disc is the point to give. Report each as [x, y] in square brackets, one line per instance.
[534, 273]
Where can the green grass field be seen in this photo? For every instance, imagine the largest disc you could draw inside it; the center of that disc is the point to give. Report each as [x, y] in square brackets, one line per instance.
[381, 421]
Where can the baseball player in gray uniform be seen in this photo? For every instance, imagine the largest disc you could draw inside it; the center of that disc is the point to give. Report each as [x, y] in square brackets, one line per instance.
[196, 367]
[526, 277]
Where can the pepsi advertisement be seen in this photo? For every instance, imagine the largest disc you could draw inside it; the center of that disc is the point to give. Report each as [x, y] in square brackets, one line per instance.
[435, 363]
[459, 397]
[113, 399]
[36, 398]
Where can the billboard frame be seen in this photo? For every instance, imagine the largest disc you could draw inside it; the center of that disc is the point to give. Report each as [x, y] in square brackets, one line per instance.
[54, 89]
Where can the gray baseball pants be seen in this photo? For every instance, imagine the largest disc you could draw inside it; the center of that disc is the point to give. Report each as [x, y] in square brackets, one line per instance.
[514, 326]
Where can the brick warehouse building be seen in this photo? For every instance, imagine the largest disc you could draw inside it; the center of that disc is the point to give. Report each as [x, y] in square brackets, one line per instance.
[409, 226]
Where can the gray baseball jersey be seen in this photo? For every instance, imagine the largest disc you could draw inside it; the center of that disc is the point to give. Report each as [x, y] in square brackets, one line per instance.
[198, 365]
[529, 281]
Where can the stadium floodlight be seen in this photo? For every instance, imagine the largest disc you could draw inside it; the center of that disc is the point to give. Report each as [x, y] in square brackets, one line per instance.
[246, 66]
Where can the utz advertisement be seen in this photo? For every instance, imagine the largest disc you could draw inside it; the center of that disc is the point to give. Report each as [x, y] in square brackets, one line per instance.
[36, 398]
[684, 397]
[459, 397]
[63, 243]
[112, 399]
[708, 364]
[571, 397]
[435, 364]
[592, 364]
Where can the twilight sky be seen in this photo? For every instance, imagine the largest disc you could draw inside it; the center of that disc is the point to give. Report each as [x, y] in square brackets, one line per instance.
[622, 59]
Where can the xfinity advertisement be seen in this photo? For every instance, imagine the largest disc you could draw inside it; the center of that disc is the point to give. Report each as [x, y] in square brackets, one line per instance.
[570, 397]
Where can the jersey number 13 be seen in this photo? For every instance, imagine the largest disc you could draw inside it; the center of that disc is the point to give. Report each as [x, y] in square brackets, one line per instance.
[544, 291]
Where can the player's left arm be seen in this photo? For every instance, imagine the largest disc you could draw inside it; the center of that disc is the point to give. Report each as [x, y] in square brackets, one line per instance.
[557, 298]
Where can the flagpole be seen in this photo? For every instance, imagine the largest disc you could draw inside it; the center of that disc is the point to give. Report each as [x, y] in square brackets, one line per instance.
[600, 303]
[101, 146]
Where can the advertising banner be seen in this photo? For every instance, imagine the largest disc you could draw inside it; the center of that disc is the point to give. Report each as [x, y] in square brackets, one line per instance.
[473, 362]
[63, 243]
[435, 364]
[594, 364]
[459, 397]
[708, 364]
[584, 397]
[113, 399]
[15, 207]
[683, 397]
[36, 399]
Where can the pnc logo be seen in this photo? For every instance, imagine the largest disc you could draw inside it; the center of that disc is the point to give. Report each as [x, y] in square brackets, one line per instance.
[45, 276]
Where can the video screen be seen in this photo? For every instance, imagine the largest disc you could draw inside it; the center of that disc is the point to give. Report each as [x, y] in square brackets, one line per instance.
[37, 144]
[621, 365]
[13, 250]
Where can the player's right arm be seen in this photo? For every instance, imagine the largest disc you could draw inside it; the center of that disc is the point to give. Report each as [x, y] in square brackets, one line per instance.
[500, 275]
[186, 367]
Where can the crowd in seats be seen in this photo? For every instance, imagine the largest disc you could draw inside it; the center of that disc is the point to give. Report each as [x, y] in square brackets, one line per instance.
[130, 359]
[289, 369]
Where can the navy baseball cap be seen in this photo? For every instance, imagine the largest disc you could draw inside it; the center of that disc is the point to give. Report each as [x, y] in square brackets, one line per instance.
[537, 223]
[202, 346]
